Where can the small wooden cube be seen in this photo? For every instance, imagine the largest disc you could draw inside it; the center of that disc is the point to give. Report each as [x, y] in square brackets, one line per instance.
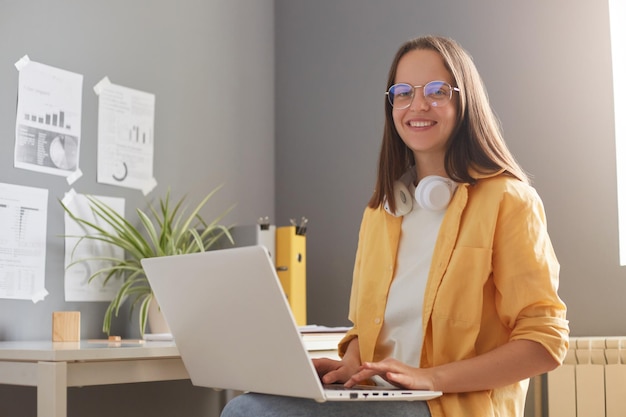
[66, 326]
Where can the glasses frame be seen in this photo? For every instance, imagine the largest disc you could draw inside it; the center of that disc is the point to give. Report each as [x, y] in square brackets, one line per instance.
[414, 87]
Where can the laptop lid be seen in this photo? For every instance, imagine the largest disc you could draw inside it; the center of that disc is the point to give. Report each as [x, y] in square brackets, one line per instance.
[231, 322]
[233, 326]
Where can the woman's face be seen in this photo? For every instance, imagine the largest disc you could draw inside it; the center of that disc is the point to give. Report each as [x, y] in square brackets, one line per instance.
[425, 128]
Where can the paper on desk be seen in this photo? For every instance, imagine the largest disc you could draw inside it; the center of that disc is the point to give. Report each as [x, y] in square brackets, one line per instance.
[315, 328]
[158, 337]
[322, 338]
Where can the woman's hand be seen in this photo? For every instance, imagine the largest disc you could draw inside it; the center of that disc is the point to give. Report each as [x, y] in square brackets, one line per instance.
[394, 372]
[332, 371]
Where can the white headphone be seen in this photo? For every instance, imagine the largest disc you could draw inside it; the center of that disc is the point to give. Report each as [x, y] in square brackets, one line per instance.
[432, 193]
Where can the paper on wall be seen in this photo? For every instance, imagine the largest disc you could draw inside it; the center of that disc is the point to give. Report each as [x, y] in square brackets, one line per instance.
[23, 228]
[77, 285]
[125, 136]
[48, 120]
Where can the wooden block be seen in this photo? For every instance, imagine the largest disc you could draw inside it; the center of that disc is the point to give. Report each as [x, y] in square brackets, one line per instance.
[66, 326]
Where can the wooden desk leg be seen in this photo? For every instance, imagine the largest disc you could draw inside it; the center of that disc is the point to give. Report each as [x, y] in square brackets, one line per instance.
[52, 389]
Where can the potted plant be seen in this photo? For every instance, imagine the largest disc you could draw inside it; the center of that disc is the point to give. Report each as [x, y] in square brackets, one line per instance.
[168, 229]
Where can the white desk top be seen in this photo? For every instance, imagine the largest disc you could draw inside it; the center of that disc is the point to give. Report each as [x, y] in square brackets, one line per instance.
[83, 351]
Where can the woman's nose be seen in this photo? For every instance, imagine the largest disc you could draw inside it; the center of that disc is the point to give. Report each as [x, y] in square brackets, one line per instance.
[419, 103]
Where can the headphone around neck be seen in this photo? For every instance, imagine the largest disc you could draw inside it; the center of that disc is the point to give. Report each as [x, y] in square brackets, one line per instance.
[432, 193]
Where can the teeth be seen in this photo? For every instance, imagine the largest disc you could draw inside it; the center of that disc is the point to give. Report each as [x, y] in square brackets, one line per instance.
[421, 123]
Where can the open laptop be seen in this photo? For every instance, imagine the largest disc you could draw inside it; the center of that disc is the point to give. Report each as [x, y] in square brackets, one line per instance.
[234, 329]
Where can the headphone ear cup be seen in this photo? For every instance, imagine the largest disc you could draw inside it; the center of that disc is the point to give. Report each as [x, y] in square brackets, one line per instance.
[403, 197]
[434, 192]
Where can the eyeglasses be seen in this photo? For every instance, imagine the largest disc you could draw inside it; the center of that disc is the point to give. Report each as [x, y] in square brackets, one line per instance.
[436, 93]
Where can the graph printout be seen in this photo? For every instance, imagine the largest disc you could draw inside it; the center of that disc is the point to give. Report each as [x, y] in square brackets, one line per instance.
[23, 218]
[125, 136]
[48, 120]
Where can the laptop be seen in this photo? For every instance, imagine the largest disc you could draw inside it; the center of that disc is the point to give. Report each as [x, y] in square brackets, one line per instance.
[234, 329]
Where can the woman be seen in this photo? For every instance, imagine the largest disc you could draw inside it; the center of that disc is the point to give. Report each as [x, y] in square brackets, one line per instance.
[454, 290]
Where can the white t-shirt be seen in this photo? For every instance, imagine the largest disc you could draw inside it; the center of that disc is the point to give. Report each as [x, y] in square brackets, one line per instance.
[401, 335]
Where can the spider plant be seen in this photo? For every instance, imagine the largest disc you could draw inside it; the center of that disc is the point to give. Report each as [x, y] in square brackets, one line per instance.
[168, 229]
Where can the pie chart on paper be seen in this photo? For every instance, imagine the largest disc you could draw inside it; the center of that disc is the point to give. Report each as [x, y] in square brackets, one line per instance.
[63, 152]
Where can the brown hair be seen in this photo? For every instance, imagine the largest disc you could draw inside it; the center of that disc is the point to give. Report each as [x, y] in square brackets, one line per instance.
[477, 141]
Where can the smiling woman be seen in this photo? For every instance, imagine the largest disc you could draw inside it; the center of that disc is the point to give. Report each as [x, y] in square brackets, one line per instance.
[617, 14]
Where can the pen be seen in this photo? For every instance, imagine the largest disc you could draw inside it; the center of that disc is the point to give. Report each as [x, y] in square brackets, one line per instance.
[264, 222]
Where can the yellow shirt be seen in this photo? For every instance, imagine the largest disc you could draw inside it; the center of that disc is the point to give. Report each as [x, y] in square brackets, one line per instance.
[493, 278]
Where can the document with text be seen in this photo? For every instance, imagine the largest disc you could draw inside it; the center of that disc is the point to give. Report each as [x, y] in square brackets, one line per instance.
[48, 120]
[23, 224]
[125, 136]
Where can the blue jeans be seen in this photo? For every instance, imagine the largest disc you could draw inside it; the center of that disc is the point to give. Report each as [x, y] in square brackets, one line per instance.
[262, 405]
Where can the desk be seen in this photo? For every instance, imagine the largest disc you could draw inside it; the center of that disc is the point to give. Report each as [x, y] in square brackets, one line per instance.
[52, 367]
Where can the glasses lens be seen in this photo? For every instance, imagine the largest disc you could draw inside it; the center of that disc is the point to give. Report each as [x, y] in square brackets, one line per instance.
[400, 95]
[438, 93]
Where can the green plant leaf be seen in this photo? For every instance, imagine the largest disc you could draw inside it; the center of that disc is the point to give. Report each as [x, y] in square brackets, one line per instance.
[163, 230]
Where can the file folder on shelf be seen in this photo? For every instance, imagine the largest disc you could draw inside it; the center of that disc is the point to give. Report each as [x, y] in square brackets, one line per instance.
[291, 268]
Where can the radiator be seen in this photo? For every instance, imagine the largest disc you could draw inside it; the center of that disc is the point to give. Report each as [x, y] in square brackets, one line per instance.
[592, 380]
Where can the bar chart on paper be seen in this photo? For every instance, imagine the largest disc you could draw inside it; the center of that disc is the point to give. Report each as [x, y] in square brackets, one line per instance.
[139, 135]
[56, 119]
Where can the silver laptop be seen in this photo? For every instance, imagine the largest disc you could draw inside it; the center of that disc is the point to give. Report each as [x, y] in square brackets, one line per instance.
[234, 329]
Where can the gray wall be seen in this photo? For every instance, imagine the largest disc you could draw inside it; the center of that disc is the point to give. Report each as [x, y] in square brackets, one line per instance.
[197, 57]
[541, 62]
[539, 59]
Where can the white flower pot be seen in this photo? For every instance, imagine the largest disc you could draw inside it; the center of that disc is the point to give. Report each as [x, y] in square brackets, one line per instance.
[156, 320]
